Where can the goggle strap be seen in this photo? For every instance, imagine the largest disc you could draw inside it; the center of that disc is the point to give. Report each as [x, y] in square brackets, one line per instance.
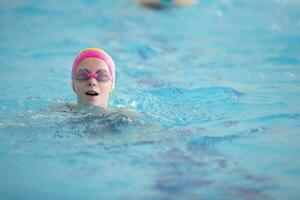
[92, 76]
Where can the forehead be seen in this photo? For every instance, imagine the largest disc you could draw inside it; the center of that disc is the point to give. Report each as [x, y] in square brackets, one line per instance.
[92, 64]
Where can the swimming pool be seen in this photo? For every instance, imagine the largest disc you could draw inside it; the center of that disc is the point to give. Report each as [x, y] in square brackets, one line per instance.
[217, 85]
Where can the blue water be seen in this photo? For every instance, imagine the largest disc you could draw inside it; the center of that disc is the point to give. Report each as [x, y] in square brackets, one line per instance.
[217, 86]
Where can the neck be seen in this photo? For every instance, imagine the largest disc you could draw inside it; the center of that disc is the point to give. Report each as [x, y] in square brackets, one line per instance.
[99, 105]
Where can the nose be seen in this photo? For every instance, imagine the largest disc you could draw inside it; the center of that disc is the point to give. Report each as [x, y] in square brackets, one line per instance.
[92, 82]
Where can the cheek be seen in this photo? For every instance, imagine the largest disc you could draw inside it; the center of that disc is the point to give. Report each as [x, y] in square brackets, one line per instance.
[106, 87]
[78, 87]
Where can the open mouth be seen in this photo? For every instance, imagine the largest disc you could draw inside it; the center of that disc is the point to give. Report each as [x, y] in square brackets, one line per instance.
[91, 93]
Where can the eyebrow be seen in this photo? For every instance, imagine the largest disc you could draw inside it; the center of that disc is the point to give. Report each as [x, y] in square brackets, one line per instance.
[102, 70]
[84, 69]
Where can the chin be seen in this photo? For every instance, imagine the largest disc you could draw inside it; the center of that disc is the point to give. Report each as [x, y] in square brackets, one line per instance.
[97, 101]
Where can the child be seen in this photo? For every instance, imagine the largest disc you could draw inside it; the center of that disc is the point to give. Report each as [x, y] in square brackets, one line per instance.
[93, 79]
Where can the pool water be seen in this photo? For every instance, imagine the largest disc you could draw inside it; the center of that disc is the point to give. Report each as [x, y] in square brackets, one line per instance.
[216, 84]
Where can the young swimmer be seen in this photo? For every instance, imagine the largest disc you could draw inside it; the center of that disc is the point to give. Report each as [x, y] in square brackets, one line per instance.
[162, 4]
[93, 79]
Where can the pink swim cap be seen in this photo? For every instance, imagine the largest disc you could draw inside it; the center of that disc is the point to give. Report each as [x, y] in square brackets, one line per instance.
[94, 53]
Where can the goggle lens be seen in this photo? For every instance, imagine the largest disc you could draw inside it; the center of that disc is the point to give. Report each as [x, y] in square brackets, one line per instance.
[84, 75]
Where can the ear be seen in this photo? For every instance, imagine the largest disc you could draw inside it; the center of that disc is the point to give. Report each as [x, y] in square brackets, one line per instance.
[112, 86]
[73, 86]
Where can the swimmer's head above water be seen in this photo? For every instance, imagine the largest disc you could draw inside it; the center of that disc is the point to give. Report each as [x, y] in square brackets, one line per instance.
[93, 77]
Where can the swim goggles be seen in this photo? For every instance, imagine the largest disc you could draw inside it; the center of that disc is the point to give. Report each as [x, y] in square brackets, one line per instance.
[102, 76]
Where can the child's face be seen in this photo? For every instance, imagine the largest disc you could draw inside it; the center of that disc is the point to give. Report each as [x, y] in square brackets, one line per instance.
[91, 91]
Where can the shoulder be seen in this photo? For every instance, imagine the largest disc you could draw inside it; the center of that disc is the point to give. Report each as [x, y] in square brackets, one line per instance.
[122, 113]
[63, 107]
[119, 117]
[128, 112]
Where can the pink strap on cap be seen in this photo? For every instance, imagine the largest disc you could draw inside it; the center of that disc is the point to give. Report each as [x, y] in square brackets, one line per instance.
[94, 53]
